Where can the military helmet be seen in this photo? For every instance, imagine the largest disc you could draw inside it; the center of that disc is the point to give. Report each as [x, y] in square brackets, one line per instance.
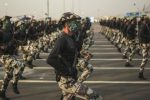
[6, 18]
[68, 16]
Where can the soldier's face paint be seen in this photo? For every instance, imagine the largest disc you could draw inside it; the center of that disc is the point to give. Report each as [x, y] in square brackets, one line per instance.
[74, 26]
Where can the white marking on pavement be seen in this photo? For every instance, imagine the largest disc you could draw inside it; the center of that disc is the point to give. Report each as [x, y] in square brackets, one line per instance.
[89, 82]
[96, 53]
[101, 68]
[101, 48]
[42, 76]
[101, 41]
[102, 45]
[115, 59]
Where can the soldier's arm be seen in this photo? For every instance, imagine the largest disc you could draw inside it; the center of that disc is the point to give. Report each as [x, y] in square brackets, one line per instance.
[55, 58]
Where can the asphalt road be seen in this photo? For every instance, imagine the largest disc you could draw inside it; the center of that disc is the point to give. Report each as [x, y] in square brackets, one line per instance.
[110, 78]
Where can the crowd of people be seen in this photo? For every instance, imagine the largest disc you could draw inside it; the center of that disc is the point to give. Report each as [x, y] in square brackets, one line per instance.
[130, 35]
[69, 38]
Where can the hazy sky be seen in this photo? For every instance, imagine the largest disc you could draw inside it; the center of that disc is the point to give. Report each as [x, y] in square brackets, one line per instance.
[82, 7]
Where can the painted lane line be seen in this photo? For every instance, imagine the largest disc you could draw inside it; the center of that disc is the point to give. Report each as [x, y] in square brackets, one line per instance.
[102, 68]
[88, 82]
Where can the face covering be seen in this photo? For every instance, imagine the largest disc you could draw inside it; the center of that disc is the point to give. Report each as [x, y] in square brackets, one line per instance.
[74, 26]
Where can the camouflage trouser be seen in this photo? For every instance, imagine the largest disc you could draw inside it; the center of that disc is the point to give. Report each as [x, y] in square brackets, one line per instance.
[115, 33]
[12, 73]
[27, 58]
[88, 43]
[132, 47]
[145, 48]
[108, 33]
[71, 88]
[122, 42]
[85, 68]
[118, 38]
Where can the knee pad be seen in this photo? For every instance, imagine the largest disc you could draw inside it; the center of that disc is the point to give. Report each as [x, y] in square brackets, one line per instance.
[93, 95]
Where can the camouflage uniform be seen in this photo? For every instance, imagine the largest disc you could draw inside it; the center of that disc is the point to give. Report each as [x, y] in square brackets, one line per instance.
[11, 65]
[88, 42]
[72, 88]
[27, 55]
[84, 66]
[144, 40]
[66, 73]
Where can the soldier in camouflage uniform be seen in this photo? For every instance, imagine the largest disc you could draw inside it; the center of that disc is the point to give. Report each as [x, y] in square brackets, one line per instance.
[62, 59]
[11, 65]
[7, 29]
[144, 40]
[131, 36]
[27, 55]
[84, 66]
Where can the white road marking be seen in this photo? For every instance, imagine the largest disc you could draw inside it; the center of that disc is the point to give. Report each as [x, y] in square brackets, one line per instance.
[101, 48]
[101, 41]
[106, 59]
[42, 76]
[88, 82]
[102, 45]
[101, 68]
[95, 53]
[115, 59]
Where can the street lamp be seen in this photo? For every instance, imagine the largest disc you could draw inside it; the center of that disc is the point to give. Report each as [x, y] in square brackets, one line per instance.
[64, 5]
[5, 4]
[48, 8]
[73, 6]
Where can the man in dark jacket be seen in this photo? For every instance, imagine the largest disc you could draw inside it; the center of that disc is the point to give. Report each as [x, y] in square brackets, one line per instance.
[131, 43]
[144, 39]
[62, 58]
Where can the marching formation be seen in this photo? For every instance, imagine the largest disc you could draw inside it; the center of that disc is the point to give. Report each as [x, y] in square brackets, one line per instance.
[130, 36]
[67, 41]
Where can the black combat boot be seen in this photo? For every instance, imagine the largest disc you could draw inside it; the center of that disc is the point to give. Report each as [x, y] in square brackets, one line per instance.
[141, 76]
[127, 64]
[61, 98]
[111, 42]
[30, 65]
[37, 56]
[3, 95]
[22, 77]
[124, 57]
[15, 88]
[119, 49]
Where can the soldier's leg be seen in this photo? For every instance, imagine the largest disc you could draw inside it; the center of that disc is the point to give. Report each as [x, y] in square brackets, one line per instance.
[138, 49]
[7, 77]
[118, 41]
[25, 59]
[126, 50]
[37, 54]
[86, 73]
[46, 48]
[21, 77]
[132, 53]
[29, 61]
[79, 90]
[18, 73]
[145, 49]
[67, 96]
[122, 42]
